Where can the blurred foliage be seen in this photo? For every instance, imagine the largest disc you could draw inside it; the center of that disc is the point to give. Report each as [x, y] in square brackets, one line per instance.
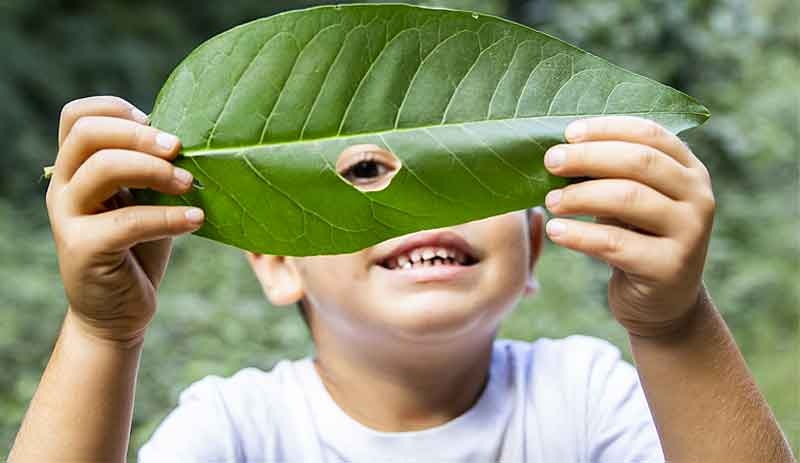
[740, 58]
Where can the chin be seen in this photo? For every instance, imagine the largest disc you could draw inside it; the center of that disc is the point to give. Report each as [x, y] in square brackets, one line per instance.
[440, 315]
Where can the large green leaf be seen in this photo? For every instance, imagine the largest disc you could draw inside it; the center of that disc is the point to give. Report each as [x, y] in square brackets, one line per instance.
[469, 103]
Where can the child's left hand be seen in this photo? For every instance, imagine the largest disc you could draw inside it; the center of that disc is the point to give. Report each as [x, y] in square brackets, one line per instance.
[654, 206]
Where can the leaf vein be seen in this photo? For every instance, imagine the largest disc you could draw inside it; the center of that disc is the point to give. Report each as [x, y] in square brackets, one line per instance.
[495, 154]
[233, 89]
[364, 78]
[325, 80]
[503, 77]
[461, 163]
[234, 199]
[528, 80]
[464, 77]
[416, 73]
[288, 78]
[419, 179]
[299, 205]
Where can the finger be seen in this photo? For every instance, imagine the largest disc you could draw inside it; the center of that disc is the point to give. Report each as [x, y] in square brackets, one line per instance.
[626, 250]
[106, 172]
[633, 130]
[110, 106]
[631, 202]
[123, 228]
[616, 159]
[93, 133]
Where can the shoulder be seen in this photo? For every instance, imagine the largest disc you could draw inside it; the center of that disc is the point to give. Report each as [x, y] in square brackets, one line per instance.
[558, 356]
[245, 385]
[570, 371]
[221, 418]
[250, 401]
[583, 384]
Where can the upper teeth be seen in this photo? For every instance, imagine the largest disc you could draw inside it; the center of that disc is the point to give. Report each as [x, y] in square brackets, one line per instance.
[424, 255]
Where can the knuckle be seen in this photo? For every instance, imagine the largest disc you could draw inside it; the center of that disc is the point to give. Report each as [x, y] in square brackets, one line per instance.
[104, 157]
[577, 156]
[69, 110]
[167, 220]
[130, 221]
[681, 263]
[83, 128]
[704, 174]
[631, 195]
[71, 240]
[707, 202]
[114, 100]
[570, 196]
[646, 161]
[613, 242]
[51, 200]
[141, 137]
[55, 198]
[152, 170]
[104, 160]
[158, 169]
[651, 129]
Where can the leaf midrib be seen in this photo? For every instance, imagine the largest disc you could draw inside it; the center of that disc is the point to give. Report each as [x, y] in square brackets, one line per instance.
[235, 149]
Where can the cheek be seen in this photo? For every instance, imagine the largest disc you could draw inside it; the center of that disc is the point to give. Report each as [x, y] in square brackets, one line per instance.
[337, 286]
[508, 246]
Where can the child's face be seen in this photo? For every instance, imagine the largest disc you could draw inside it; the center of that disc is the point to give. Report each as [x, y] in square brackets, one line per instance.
[480, 273]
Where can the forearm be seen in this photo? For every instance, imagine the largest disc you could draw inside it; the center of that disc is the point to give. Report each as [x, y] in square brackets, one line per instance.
[703, 398]
[82, 408]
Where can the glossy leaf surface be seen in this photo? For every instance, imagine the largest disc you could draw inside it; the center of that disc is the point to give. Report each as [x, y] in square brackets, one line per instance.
[469, 104]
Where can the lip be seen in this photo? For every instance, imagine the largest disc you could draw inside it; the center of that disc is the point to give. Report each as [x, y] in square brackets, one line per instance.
[443, 238]
[439, 273]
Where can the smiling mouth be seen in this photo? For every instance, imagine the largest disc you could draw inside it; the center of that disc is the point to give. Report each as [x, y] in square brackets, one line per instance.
[429, 256]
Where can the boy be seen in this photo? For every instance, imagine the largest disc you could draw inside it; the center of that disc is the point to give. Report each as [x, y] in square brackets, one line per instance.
[407, 367]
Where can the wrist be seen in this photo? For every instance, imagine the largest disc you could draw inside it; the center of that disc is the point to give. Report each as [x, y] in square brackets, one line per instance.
[679, 328]
[75, 325]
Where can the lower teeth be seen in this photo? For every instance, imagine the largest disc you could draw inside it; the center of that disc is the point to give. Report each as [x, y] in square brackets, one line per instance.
[427, 263]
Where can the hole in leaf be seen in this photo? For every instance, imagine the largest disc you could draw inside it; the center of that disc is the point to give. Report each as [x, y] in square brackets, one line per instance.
[197, 184]
[367, 167]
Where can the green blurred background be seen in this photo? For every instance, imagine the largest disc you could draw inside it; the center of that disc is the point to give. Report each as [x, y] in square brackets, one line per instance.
[740, 58]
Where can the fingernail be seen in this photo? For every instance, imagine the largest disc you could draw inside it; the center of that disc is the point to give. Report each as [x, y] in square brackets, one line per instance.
[184, 177]
[166, 141]
[555, 157]
[576, 131]
[138, 115]
[195, 215]
[556, 227]
[553, 198]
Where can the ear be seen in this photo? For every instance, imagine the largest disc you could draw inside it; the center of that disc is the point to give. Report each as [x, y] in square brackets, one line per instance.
[280, 280]
[536, 234]
[536, 237]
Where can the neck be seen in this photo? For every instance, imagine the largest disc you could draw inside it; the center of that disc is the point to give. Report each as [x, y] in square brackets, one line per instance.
[404, 388]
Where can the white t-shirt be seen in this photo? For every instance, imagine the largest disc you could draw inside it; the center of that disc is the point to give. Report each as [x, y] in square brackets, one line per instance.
[550, 401]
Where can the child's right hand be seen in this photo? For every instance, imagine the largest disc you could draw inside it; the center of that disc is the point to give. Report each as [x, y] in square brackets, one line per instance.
[112, 254]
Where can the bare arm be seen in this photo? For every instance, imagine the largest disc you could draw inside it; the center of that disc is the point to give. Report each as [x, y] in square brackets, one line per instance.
[112, 255]
[655, 206]
[82, 408]
[705, 403]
